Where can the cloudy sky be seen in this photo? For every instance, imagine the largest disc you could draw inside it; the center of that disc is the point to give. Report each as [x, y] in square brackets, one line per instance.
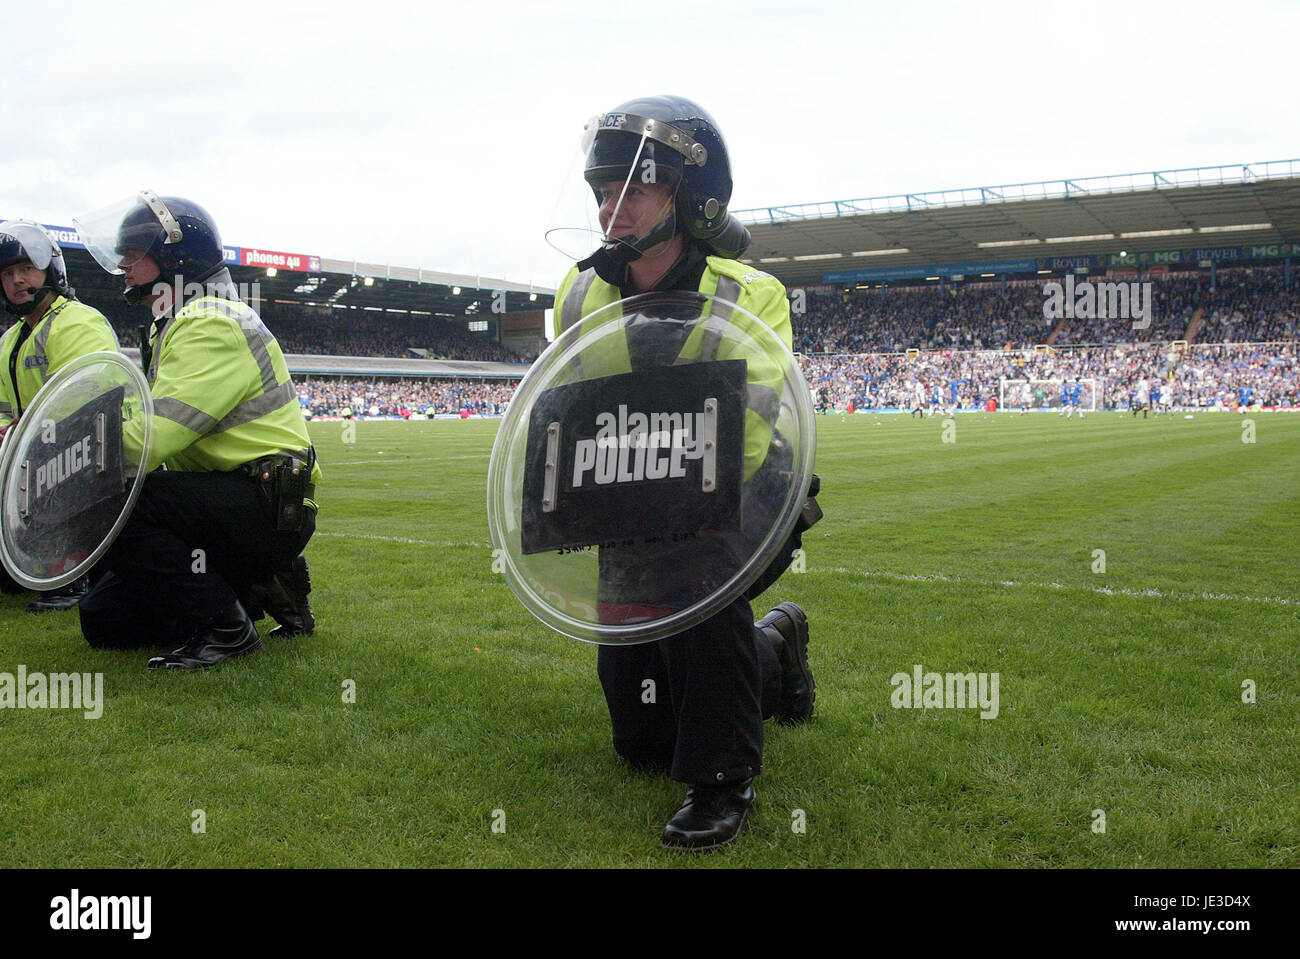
[441, 137]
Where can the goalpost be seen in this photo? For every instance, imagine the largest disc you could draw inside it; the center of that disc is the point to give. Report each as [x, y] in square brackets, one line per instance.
[1046, 394]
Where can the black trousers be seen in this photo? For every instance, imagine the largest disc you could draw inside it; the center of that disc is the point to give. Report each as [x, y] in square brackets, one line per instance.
[194, 544]
[694, 704]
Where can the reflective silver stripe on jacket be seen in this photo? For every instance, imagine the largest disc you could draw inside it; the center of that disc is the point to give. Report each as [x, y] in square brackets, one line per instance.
[195, 419]
[764, 401]
[41, 338]
[571, 313]
[571, 308]
[258, 406]
[184, 414]
[719, 317]
[273, 396]
[255, 333]
[157, 348]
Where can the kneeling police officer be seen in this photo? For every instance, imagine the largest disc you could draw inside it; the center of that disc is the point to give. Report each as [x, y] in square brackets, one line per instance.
[53, 329]
[222, 526]
[660, 174]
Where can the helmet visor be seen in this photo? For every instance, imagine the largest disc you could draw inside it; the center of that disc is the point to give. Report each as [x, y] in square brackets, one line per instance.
[119, 235]
[19, 237]
[621, 189]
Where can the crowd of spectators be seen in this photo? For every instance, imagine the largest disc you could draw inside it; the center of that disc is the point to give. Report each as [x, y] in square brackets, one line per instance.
[1242, 304]
[969, 338]
[966, 337]
[1204, 375]
[893, 319]
[1252, 306]
[1199, 376]
[387, 335]
[421, 398]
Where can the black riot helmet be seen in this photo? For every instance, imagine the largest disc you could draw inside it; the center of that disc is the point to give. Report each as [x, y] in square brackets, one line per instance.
[179, 234]
[671, 137]
[23, 240]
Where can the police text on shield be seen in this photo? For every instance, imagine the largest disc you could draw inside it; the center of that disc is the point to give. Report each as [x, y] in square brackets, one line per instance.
[631, 447]
[63, 465]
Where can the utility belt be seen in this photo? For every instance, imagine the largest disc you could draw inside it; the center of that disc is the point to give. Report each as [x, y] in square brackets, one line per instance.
[284, 481]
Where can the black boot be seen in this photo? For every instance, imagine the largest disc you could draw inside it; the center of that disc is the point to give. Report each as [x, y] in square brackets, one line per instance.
[285, 600]
[787, 627]
[712, 816]
[233, 635]
[65, 597]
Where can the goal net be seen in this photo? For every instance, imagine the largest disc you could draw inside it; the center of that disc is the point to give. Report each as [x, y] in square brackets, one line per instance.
[1046, 394]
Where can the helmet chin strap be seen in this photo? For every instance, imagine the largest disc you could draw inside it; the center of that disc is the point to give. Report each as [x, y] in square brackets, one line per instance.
[614, 255]
[664, 231]
[41, 296]
[610, 261]
[135, 295]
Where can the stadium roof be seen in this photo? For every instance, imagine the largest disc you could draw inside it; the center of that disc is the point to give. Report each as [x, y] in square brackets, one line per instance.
[335, 285]
[1254, 204]
[376, 287]
[311, 364]
[296, 278]
[307, 363]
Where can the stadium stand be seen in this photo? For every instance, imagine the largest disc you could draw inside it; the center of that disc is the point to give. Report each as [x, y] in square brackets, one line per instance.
[913, 274]
[1244, 305]
[403, 398]
[1201, 376]
[968, 339]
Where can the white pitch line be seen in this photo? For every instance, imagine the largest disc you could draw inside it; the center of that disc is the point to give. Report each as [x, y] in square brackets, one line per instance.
[921, 577]
[403, 457]
[1100, 590]
[397, 539]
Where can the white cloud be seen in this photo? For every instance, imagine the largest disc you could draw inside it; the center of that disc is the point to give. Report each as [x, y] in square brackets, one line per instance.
[440, 137]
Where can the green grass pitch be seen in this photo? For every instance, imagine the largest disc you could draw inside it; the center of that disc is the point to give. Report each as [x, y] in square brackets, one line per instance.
[1133, 583]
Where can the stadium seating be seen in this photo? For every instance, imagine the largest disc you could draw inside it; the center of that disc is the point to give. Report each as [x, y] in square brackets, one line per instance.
[1245, 305]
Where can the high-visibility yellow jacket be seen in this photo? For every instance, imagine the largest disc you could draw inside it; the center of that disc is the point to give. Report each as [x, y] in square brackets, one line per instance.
[583, 293]
[66, 330]
[222, 394]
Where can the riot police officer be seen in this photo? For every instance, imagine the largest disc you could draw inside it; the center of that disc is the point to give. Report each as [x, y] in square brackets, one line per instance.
[234, 506]
[660, 175]
[53, 329]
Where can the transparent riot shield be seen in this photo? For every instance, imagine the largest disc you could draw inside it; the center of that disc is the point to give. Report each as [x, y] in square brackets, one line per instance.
[71, 469]
[650, 467]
